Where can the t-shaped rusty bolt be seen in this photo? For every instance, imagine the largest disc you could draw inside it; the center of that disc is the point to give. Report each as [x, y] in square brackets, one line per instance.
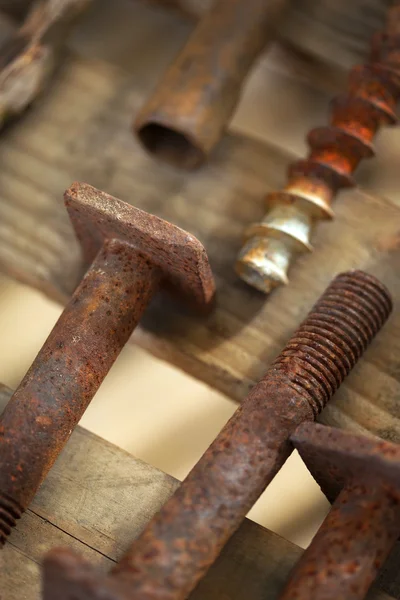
[132, 253]
[27, 59]
[364, 522]
[186, 536]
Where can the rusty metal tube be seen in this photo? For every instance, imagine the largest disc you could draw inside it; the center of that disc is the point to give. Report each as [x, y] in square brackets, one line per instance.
[186, 115]
[67, 372]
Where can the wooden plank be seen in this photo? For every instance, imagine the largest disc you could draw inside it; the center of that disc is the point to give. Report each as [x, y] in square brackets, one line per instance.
[335, 31]
[97, 499]
[80, 130]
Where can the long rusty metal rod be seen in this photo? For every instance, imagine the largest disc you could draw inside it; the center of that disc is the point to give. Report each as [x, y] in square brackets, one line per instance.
[28, 58]
[363, 524]
[336, 151]
[185, 537]
[131, 254]
[191, 106]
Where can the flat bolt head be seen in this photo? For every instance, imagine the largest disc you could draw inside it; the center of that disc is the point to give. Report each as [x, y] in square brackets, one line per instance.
[66, 576]
[334, 456]
[181, 258]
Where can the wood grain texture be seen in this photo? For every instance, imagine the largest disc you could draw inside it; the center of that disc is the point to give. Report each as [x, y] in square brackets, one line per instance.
[80, 130]
[335, 31]
[97, 498]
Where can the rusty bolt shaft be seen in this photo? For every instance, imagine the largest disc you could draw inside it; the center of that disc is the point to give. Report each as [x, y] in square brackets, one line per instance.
[336, 151]
[68, 370]
[88, 337]
[186, 536]
[343, 559]
[364, 523]
[191, 106]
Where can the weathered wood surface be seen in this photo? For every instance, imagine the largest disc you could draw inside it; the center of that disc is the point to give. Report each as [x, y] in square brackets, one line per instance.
[336, 31]
[80, 130]
[97, 498]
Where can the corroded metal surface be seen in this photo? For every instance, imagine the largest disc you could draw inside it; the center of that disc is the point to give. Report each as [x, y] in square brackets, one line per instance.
[189, 110]
[336, 151]
[364, 523]
[28, 58]
[185, 537]
[132, 253]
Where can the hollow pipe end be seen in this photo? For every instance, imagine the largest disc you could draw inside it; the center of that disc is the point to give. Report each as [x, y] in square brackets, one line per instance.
[169, 143]
[263, 262]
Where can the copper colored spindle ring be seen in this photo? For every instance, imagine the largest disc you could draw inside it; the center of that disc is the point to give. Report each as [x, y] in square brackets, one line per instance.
[336, 150]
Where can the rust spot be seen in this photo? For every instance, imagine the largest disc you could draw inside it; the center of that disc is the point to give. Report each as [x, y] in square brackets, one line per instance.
[186, 536]
[363, 476]
[336, 150]
[90, 333]
[41, 421]
[188, 113]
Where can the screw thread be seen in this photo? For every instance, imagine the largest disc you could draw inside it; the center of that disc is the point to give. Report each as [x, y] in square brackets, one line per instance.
[188, 533]
[335, 152]
[10, 512]
[335, 334]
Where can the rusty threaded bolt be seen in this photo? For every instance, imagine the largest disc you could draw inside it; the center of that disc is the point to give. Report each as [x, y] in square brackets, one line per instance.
[186, 536]
[336, 151]
[353, 542]
[131, 254]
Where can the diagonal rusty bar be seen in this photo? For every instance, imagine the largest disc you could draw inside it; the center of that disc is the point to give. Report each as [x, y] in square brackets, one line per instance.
[185, 537]
[359, 532]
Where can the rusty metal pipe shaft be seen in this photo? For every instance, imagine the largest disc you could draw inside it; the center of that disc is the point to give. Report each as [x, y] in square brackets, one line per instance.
[363, 524]
[190, 108]
[335, 152]
[185, 537]
[89, 335]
